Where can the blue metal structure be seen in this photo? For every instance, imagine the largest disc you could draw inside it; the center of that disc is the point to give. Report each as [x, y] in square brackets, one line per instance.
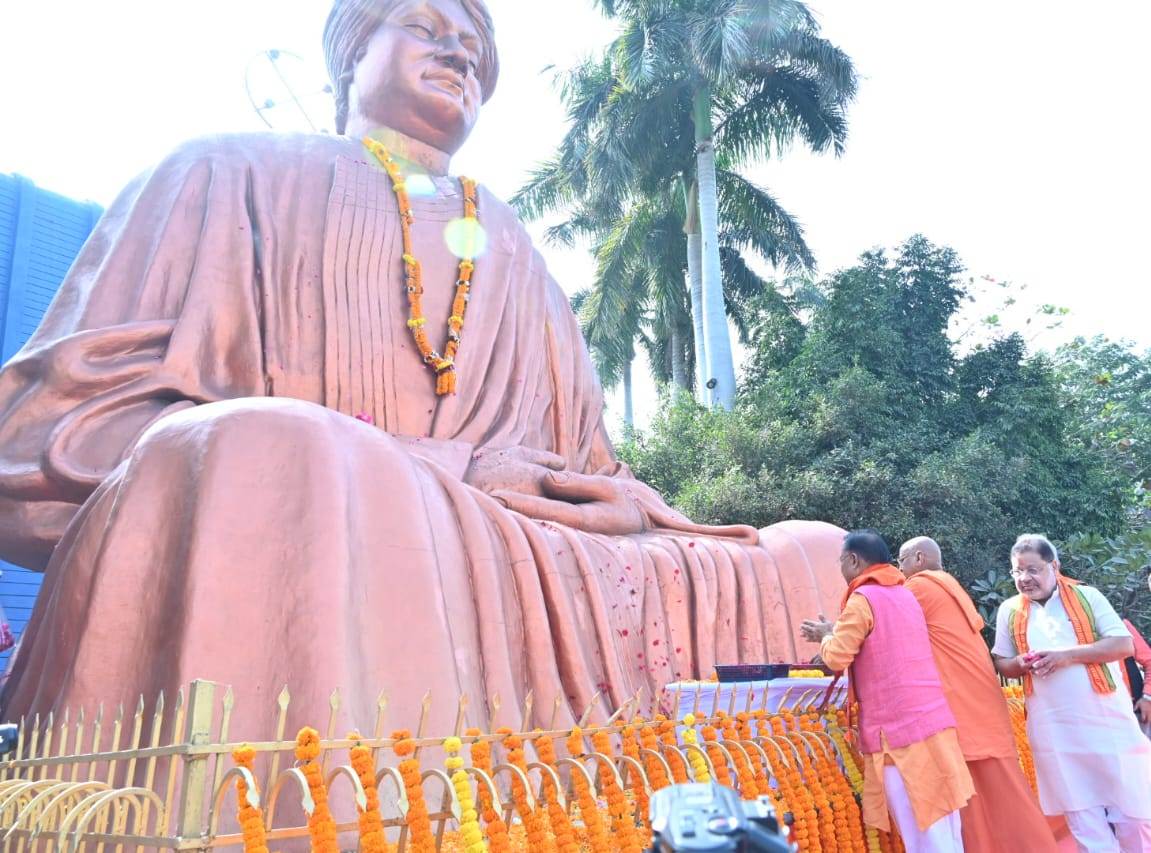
[40, 235]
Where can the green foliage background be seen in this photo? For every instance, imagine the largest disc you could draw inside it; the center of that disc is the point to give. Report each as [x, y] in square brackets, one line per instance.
[858, 408]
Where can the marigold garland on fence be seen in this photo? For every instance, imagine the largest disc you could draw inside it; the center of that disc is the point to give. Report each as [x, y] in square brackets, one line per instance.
[418, 820]
[804, 760]
[371, 822]
[494, 826]
[251, 817]
[535, 819]
[657, 775]
[699, 771]
[629, 744]
[620, 809]
[469, 818]
[566, 839]
[715, 753]
[598, 834]
[674, 758]
[321, 824]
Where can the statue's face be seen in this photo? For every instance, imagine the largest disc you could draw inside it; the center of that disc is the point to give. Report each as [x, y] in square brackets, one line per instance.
[418, 74]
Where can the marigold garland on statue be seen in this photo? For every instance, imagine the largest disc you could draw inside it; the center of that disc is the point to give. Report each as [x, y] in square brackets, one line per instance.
[321, 824]
[251, 817]
[444, 365]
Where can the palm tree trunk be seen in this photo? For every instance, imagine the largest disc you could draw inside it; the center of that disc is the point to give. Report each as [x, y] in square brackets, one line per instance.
[695, 288]
[628, 410]
[717, 339]
[678, 361]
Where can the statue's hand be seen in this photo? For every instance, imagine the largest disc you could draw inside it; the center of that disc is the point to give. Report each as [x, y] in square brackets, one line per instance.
[520, 470]
[590, 502]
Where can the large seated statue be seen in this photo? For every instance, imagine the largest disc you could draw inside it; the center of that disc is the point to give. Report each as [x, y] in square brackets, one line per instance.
[269, 433]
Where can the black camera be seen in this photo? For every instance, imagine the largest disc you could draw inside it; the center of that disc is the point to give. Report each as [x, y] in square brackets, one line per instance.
[711, 818]
[8, 735]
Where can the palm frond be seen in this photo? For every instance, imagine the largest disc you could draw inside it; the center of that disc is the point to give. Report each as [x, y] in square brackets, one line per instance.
[752, 218]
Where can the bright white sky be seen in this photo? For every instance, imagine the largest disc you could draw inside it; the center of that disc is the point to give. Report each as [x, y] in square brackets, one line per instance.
[1015, 131]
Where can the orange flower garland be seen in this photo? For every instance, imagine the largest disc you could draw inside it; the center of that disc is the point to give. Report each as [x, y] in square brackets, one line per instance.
[535, 819]
[622, 818]
[630, 745]
[715, 753]
[819, 795]
[1018, 711]
[656, 772]
[321, 825]
[762, 783]
[443, 365]
[598, 835]
[251, 817]
[497, 830]
[748, 788]
[372, 838]
[674, 758]
[418, 820]
[565, 835]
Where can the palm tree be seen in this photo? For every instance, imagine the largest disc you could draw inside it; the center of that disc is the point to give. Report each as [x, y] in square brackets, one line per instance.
[689, 91]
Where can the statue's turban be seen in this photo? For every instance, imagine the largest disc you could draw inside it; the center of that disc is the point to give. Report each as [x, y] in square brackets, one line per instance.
[351, 23]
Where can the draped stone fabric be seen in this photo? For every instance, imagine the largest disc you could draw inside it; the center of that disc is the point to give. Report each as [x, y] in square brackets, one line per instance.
[179, 448]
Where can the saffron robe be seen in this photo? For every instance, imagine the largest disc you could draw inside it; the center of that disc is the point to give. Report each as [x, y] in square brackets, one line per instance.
[179, 448]
[1004, 814]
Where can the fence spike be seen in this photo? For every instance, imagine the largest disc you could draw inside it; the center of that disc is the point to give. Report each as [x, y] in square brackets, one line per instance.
[495, 704]
[461, 713]
[526, 716]
[583, 720]
[381, 713]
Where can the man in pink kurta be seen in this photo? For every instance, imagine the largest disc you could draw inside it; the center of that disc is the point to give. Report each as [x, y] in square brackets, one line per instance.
[226, 451]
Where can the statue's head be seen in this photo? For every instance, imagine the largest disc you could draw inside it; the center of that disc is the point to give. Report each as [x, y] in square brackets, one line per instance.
[422, 67]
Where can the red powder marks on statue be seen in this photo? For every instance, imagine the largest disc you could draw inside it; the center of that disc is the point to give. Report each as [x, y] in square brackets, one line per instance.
[623, 632]
[366, 418]
[655, 642]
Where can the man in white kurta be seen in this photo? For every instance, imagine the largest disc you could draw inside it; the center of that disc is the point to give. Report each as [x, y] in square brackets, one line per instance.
[1092, 762]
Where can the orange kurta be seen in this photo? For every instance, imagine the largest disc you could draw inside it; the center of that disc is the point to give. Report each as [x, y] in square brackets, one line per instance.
[933, 769]
[1003, 814]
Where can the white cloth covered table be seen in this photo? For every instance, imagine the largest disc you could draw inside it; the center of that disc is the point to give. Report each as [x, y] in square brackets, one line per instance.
[777, 689]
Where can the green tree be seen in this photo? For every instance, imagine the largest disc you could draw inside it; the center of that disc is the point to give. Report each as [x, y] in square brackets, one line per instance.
[858, 408]
[685, 79]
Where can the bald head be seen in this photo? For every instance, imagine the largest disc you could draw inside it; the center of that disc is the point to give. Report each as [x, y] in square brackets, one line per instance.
[919, 554]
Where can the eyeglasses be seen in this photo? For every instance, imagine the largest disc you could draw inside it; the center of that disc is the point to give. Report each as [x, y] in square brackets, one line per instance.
[1030, 573]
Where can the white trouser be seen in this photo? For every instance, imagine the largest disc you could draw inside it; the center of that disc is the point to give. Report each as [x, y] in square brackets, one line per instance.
[943, 836]
[1103, 830]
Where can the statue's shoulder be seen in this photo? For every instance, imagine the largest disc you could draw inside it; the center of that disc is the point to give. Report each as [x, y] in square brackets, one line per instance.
[265, 152]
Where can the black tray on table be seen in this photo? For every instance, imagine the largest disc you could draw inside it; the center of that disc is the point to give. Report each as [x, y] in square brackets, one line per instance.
[733, 673]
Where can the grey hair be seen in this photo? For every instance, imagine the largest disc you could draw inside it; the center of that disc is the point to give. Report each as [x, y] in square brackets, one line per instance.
[1035, 543]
